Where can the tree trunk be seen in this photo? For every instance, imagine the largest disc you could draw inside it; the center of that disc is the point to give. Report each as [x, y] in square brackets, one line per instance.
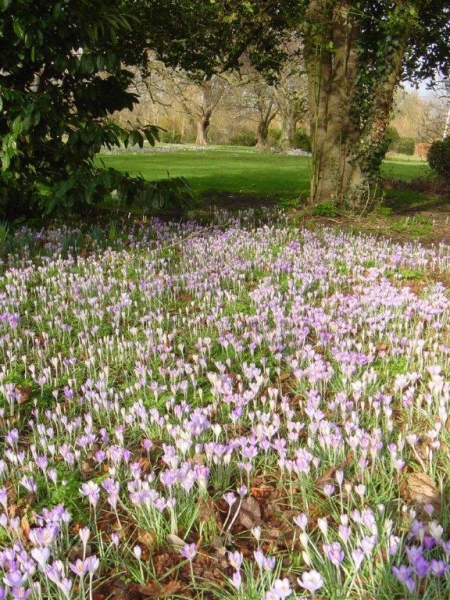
[267, 111]
[346, 150]
[202, 131]
[261, 135]
[288, 128]
[331, 67]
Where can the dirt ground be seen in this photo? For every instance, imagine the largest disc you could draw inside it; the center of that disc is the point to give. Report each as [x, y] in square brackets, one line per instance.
[427, 223]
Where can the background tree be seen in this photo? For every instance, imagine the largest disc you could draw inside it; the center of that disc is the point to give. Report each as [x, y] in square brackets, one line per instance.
[266, 108]
[257, 97]
[443, 94]
[291, 93]
[409, 110]
[198, 99]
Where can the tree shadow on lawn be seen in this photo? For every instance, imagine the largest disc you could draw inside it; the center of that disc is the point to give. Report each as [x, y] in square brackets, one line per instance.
[233, 202]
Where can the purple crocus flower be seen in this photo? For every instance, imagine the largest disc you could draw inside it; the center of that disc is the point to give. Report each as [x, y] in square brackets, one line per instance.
[438, 567]
[236, 580]
[421, 567]
[21, 592]
[311, 581]
[235, 559]
[14, 578]
[92, 492]
[189, 551]
[282, 588]
[404, 575]
[334, 553]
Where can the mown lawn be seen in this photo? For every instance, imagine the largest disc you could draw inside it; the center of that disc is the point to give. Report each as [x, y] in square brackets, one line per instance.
[240, 171]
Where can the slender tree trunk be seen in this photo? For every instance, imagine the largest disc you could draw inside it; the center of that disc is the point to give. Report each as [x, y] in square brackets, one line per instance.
[202, 130]
[267, 111]
[262, 134]
[288, 128]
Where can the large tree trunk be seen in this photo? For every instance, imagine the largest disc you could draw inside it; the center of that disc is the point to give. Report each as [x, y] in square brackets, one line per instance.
[346, 149]
[332, 69]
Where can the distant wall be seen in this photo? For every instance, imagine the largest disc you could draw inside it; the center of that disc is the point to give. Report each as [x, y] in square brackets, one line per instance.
[421, 150]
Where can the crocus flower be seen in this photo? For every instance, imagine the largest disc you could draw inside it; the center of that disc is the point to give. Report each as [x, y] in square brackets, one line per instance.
[189, 551]
[311, 581]
[334, 553]
[404, 574]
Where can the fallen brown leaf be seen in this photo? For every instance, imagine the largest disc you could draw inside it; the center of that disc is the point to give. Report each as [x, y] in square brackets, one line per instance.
[25, 525]
[250, 513]
[420, 490]
[156, 589]
[23, 392]
[262, 492]
[147, 538]
[328, 478]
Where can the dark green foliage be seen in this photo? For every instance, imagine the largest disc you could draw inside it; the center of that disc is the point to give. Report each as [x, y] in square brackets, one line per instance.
[173, 193]
[243, 139]
[170, 137]
[406, 146]
[439, 158]
[392, 137]
[326, 209]
[205, 37]
[169, 194]
[274, 137]
[302, 140]
[61, 77]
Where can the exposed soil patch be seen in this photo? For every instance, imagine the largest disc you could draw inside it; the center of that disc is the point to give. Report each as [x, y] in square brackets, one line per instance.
[428, 223]
[236, 202]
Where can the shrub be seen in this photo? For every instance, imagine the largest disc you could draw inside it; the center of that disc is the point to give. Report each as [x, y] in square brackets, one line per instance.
[326, 209]
[243, 139]
[439, 158]
[302, 140]
[424, 185]
[392, 137]
[170, 137]
[274, 137]
[406, 146]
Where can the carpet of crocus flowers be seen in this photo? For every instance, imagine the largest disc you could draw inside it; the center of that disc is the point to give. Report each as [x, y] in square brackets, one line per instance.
[244, 410]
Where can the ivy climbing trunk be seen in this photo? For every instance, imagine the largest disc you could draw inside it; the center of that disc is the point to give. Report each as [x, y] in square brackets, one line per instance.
[350, 111]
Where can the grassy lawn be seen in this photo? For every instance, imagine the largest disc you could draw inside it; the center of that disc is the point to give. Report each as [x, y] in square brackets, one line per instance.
[405, 167]
[228, 170]
[240, 171]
